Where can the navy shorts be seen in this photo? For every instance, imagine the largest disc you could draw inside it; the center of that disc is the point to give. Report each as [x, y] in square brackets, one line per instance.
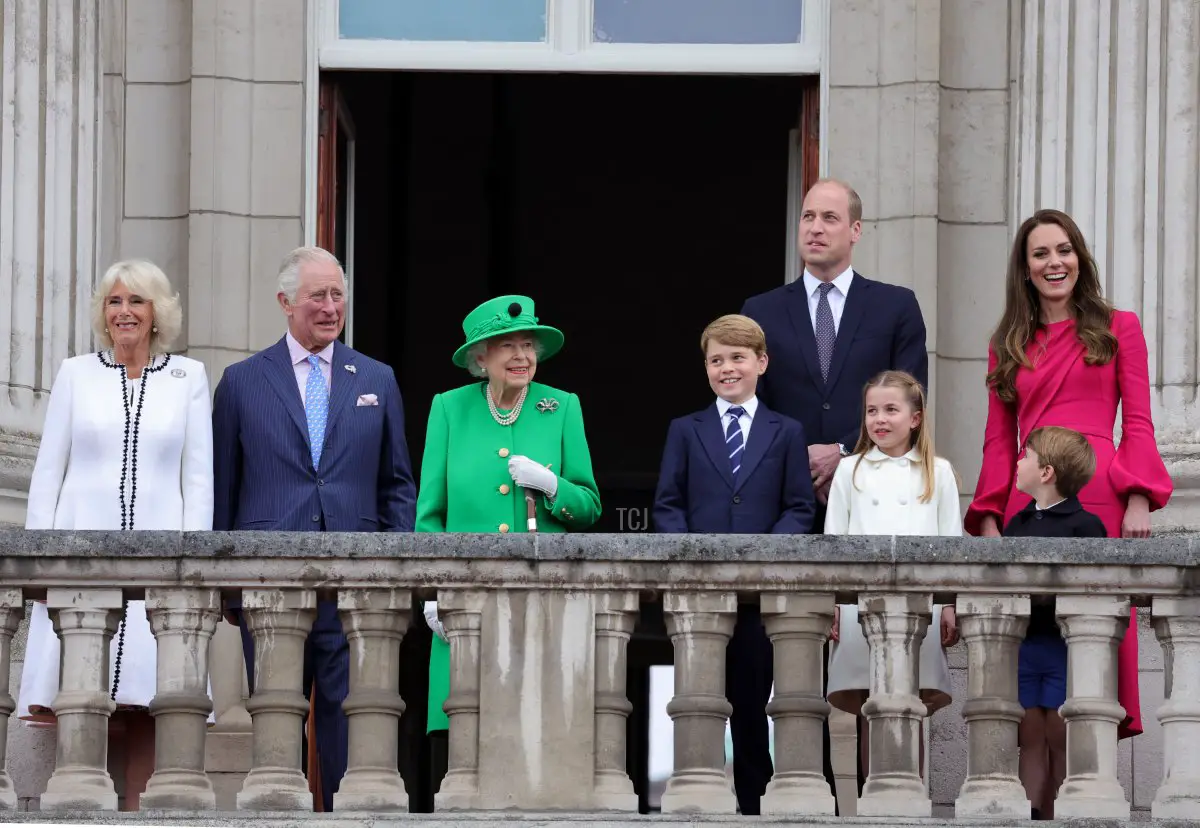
[1042, 672]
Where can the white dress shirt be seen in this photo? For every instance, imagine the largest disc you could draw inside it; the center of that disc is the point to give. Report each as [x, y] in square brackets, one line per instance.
[745, 421]
[300, 355]
[837, 296]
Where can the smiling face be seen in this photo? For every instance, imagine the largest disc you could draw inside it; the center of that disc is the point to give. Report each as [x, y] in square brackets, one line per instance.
[890, 419]
[318, 313]
[1053, 264]
[510, 361]
[128, 317]
[827, 233]
[733, 370]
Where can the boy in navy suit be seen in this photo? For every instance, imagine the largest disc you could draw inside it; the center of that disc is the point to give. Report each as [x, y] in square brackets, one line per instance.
[738, 467]
[1057, 464]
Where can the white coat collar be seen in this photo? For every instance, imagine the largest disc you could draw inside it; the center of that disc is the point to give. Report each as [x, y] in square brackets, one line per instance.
[877, 456]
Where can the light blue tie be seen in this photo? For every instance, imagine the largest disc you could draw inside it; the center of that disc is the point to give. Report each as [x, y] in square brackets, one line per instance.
[316, 408]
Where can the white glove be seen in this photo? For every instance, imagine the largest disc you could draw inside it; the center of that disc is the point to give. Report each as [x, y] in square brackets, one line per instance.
[431, 618]
[529, 474]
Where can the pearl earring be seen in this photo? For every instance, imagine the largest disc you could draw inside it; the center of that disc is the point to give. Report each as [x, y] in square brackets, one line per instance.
[155, 329]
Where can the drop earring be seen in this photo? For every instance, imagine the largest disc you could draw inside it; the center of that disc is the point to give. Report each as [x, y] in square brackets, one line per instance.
[155, 329]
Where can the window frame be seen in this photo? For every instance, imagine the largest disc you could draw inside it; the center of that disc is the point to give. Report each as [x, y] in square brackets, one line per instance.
[569, 48]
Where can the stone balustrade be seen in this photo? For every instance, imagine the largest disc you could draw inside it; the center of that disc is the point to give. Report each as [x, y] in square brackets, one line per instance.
[539, 628]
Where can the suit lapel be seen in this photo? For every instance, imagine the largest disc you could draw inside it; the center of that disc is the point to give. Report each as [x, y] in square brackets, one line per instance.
[762, 433]
[802, 324]
[712, 437]
[281, 376]
[852, 314]
[344, 382]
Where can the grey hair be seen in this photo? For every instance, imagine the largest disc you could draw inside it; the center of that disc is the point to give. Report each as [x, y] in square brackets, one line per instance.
[480, 349]
[289, 270]
[148, 281]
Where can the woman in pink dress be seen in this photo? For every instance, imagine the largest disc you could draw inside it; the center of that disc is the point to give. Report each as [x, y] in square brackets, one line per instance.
[1063, 356]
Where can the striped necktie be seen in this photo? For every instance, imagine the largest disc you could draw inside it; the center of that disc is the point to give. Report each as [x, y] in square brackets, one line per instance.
[735, 443]
[316, 408]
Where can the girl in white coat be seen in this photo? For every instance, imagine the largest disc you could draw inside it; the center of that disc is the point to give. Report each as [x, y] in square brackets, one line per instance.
[892, 484]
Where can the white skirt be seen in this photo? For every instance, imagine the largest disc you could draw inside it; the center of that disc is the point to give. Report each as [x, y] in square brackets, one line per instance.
[850, 665]
[39, 675]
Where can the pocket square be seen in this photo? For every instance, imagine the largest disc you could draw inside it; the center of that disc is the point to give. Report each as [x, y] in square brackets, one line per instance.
[368, 399]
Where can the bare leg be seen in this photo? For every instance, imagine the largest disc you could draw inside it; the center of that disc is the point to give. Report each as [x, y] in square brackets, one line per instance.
[139, 755]
[1033, 766]
[1056, 740]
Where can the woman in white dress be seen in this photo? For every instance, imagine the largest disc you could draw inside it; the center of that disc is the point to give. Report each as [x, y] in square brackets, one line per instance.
[127, 444]
[893, 484]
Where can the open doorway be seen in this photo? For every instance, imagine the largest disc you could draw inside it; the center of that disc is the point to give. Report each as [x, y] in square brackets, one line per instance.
[632, 209]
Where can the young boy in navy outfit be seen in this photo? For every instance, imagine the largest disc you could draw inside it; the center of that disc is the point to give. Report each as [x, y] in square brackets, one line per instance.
[738, 467]
[1057, 464]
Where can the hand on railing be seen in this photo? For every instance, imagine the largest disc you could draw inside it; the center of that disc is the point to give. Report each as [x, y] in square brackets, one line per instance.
[835, 630]
[949, 626]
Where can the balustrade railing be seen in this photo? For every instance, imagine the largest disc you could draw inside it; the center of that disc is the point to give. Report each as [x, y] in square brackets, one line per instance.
[539, 628]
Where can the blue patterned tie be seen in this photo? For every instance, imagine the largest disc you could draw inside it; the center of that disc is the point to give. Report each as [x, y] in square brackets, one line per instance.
[826, 335]
[316, 409]
[735, 443]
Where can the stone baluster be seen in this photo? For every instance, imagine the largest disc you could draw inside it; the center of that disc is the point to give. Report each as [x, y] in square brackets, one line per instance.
[280, 621]
[798, 626]
[616, 615]
[375, 621]
[12, 610]
[993, 627]
[183, 621]
[1177, 625]
[700, 625]
[461, 614]
[85, 620]
[894, 626]
[1093, 626]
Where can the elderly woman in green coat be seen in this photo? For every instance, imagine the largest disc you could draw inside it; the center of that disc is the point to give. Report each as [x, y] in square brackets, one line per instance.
[489, 441]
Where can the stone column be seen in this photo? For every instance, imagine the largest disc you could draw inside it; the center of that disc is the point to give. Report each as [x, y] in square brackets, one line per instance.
[1177, 625]
[183, 621]
[616, 615]
[895, 625]
[1093, 626]
[1106, 127]
[12, 610]
[49, 155]
[375, 621]
[700, 625]
[993, 627]
[279, 620]
[798, 626]
[461, 614]
[85, 620]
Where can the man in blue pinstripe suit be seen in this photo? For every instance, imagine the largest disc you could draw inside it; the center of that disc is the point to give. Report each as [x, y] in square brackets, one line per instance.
[309, 436]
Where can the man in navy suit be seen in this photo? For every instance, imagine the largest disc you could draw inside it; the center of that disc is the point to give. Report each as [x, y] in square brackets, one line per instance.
[738, 467]
[828, 333]
[309, 437]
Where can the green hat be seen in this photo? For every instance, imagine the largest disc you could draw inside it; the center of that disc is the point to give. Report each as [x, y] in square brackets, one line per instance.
[505, 315]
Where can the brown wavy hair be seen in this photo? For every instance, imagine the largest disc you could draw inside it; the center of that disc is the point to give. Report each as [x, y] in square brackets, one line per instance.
[1022, 307]
[922, 436]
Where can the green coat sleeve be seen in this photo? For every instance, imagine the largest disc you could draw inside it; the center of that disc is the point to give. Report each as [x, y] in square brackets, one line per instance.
[577, 502]
[431, 500]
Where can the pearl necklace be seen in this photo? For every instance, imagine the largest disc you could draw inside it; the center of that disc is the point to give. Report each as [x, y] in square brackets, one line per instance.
[511, 417]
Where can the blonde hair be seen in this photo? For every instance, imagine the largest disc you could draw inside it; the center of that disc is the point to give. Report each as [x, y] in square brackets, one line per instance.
[148, 281]
[737, 331]
[1067, 452]
[921, 438]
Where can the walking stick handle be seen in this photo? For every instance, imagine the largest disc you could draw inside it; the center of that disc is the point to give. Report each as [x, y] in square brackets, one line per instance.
[530, 510]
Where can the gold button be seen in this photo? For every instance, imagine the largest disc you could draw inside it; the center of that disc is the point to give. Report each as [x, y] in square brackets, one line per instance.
[503, 527]
[503, 488]
[504, 452]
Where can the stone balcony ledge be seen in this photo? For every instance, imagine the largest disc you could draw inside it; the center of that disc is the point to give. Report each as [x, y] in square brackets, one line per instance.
[644, 562]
